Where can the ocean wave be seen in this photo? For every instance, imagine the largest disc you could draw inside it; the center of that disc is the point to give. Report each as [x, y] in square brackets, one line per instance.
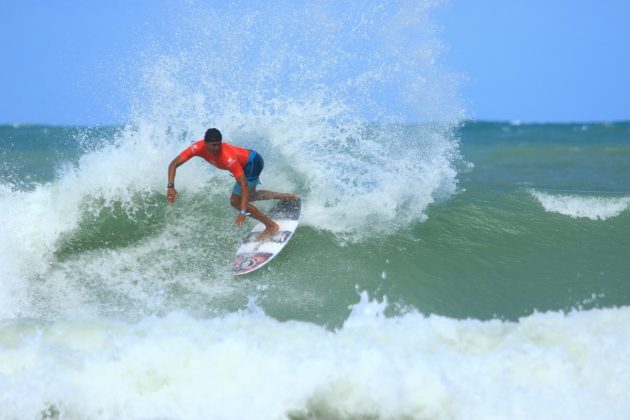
[582, 206]
[248, 365]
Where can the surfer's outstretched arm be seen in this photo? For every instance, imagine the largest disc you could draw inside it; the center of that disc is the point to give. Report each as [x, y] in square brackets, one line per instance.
[171, 192]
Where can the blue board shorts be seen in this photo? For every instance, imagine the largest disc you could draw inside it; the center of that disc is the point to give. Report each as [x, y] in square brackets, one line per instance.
[252, 168]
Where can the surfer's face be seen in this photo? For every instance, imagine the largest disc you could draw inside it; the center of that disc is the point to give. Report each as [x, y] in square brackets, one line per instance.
[213, 148]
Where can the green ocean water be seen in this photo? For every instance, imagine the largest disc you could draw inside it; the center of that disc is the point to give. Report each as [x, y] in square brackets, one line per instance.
[483, 272]
[492, 249]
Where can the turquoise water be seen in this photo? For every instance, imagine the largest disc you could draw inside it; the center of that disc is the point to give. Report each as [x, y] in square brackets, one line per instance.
[443, 269]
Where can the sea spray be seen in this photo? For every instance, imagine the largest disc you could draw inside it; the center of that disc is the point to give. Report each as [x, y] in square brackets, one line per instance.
[327, 109]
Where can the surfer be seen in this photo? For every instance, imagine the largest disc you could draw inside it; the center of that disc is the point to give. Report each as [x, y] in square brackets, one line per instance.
[244, 164]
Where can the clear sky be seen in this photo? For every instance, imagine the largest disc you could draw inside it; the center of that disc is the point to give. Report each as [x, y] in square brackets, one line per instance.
[537, 60]
[527, 60]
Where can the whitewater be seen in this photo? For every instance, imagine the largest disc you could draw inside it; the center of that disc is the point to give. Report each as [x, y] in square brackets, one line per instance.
[248, 365]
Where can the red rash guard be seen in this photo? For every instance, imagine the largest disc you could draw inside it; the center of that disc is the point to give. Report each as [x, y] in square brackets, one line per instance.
[231, 158]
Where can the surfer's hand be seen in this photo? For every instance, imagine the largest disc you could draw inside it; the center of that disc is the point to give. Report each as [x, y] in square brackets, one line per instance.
[171, 195]
[240, 219]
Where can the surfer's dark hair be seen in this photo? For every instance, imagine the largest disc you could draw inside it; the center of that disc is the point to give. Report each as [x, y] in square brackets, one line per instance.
[212, 135]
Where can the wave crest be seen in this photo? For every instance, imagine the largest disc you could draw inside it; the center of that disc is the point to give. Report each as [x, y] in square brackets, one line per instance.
[582, 206]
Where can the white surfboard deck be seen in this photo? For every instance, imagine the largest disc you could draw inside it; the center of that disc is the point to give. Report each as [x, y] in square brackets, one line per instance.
[252, 254]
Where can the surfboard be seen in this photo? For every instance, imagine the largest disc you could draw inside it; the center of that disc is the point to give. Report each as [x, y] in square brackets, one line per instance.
[252, 254]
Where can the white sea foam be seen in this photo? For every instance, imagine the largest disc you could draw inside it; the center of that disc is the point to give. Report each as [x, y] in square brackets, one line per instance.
[247, 365]
[578, 206]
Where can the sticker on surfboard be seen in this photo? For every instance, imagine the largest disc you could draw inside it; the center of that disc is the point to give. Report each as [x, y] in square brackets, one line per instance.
[252, 254]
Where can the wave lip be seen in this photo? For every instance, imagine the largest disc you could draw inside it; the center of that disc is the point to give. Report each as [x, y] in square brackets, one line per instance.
[582, 206]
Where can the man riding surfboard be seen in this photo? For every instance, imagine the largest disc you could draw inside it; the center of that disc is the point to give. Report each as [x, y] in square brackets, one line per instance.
[244, 164]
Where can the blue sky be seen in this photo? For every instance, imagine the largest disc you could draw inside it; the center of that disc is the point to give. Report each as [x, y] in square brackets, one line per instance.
[64, 61]
[536, 60]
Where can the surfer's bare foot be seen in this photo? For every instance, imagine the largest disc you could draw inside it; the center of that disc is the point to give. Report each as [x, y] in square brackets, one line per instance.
[268, 232]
